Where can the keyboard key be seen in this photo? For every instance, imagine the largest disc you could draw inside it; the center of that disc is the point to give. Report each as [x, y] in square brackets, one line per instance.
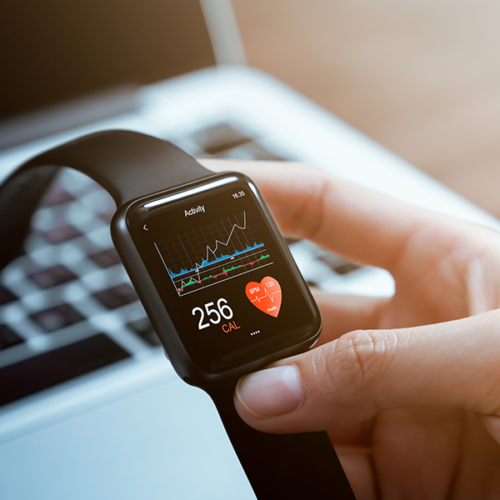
[6, 296]
[107, 216]
[8, 338]
[249, 151]
[57, 317]
[338, 265]
[56, 196]
[346, 268]
[219, 138]
[61, 234]
[144, 329]
[55, 367]
[116, 296]
[106, 258]
[47, 278]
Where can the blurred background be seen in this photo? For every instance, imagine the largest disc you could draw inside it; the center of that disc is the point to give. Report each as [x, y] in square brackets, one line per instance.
[421, 77]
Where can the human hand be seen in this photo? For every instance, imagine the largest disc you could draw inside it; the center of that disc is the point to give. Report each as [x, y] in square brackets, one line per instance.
[408, 387]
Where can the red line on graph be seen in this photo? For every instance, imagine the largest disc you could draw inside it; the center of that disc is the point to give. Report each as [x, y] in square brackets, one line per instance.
[220, 274]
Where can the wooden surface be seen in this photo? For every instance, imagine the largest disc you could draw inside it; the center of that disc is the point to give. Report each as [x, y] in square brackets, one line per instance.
[421, 77]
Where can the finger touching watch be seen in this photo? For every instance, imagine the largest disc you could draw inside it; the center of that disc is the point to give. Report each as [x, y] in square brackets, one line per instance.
[215, 277]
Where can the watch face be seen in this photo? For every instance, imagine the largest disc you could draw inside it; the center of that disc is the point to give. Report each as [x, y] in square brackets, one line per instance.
[223, 272]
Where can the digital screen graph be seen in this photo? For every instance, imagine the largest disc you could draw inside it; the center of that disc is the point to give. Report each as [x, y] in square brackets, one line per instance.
[214, 253]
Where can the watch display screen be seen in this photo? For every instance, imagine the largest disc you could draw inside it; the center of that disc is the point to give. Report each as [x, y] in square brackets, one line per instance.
[226, 279]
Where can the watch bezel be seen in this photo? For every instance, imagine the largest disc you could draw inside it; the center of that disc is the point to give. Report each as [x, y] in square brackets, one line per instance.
[185, 365]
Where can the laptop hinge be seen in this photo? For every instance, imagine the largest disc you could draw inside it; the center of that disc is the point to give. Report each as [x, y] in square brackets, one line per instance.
[68, 115]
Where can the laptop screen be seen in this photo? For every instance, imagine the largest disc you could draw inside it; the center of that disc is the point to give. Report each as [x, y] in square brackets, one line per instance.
[59, 50]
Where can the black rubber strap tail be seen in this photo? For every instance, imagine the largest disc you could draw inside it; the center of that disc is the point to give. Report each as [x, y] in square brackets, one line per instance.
[283, 466]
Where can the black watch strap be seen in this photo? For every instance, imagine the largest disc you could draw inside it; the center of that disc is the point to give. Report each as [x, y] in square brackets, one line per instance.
[127, 164]
[130, 165]
[282, 466]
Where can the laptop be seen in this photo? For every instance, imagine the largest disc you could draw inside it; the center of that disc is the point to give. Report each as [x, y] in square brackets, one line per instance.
[89, 405]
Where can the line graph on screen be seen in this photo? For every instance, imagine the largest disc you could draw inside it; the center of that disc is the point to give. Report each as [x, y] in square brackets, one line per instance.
[212, 254]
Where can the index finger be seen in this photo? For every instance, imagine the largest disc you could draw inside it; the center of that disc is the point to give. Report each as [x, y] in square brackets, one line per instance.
[356, 223]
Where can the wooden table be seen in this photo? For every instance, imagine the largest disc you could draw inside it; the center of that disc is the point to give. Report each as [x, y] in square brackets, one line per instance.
[421, 77]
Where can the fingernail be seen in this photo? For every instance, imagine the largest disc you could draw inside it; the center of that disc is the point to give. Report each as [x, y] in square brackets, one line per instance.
[274, 391]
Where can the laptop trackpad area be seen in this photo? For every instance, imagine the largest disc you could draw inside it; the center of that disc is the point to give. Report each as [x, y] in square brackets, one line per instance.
[164, 442]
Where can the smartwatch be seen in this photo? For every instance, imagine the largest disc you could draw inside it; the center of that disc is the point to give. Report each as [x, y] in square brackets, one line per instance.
[215, 277]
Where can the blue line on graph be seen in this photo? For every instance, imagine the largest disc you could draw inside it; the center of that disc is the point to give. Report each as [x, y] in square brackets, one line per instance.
[205, 262]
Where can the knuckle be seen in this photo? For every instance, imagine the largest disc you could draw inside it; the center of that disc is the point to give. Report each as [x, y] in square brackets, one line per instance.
[364, 355]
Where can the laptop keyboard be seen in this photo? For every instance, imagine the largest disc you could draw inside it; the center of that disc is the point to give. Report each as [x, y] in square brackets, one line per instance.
[67, 307]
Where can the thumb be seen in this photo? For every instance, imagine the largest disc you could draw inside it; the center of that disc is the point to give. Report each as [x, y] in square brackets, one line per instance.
[346, 381]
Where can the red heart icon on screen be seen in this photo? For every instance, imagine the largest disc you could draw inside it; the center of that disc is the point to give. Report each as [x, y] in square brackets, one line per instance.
[265, 295]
